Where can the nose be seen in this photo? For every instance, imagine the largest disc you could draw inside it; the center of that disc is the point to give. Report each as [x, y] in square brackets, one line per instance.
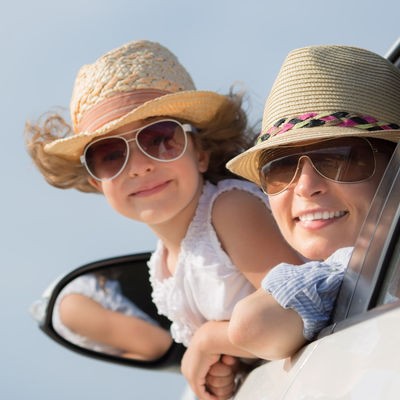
[138, 163]
[308, 182]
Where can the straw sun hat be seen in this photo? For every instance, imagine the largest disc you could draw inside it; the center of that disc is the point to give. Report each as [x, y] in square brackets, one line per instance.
[325, 92]
[139, 80]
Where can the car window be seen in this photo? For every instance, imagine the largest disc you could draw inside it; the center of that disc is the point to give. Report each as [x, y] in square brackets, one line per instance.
[374, 260]
[390, 290]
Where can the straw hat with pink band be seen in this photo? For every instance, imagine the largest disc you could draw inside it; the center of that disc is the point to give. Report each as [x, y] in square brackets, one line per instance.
[324, 92]
[136, 81]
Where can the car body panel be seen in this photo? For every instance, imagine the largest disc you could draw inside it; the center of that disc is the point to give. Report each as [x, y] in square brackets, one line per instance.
[355, 363]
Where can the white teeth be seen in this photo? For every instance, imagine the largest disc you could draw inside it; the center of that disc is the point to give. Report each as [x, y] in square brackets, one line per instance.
[321, 215]
[327, 215]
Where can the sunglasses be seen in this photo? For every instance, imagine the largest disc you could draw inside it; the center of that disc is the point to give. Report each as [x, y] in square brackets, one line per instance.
[164, 140]
[344, 160]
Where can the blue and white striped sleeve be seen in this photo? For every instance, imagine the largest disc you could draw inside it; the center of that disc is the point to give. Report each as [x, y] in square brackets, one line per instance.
[309, 289]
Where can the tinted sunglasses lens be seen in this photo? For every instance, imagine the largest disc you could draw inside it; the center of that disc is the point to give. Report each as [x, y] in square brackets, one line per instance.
[346, 160]
[276, 175]
[350, 161]
[163, 141]
[106, 158]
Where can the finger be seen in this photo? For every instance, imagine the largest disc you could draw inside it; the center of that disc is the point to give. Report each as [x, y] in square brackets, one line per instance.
[218, 381]
[220, 393]
[219, 369]
[206, 394]
[229, 360]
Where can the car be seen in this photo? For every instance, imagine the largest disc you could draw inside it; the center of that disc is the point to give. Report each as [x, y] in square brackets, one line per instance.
[355, 357]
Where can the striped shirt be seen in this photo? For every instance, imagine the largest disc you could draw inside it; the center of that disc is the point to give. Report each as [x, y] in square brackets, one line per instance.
[309, 289]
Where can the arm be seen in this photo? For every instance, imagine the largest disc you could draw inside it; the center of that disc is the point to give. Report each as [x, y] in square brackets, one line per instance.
[259, 327]
[264, 328]
[206, 347]
[254, 246]
[133, 336]
[249, 235]
[292, 307]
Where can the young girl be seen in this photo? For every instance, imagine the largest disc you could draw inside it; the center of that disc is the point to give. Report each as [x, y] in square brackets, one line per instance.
[156, 148]
[330, 126]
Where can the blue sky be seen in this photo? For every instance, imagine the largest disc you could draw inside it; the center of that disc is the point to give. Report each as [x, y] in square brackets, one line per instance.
[46, 232]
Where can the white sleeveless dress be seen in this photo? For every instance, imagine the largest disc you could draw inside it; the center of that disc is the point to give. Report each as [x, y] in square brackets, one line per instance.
[206, 284]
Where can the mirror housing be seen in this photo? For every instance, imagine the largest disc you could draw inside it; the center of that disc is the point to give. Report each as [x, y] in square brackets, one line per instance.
[135, 284]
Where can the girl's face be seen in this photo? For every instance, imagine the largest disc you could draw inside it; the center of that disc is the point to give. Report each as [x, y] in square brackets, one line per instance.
[156, 192]
[318, 216]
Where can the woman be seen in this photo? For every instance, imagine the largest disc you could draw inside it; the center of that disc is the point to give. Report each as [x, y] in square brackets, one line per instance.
[330, 126]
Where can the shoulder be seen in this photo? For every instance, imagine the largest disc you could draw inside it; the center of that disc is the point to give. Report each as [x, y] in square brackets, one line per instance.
[233, 185]
[239, 197]
[248, 233]
[242, 214]
[84, 284]
[236, 207]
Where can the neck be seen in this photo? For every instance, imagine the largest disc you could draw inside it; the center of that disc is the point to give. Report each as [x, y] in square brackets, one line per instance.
[173, 231]
[171, 236]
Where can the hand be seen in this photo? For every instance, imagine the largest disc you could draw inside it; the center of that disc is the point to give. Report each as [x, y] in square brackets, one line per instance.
[195, 367]
[206, 349]
[220, 380]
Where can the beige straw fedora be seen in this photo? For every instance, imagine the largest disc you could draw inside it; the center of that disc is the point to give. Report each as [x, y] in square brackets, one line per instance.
[324, 92]
[139, 80]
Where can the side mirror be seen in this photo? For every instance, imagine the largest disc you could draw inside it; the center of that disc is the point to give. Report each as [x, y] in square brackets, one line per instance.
[104, 310]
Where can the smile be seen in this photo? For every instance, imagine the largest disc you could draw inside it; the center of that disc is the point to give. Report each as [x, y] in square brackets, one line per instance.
[147, 191]
[322, 215]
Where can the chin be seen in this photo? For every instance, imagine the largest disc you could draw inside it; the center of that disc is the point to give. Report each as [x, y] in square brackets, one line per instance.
[315, 253]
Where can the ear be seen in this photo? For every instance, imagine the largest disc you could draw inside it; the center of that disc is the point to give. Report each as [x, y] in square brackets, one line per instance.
[203, 159]
[96, 184]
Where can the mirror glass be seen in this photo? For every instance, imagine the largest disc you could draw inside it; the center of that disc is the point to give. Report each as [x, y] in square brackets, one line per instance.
[106, 308]
[94, 312]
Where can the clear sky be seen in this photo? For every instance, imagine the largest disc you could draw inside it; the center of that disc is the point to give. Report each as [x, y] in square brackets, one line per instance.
[46, 232]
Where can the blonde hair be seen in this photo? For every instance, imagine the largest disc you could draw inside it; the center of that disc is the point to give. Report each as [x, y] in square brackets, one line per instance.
[224, 137]
[57, 171]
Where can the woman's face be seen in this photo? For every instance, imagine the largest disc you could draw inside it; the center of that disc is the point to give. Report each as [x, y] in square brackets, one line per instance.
[318, 216]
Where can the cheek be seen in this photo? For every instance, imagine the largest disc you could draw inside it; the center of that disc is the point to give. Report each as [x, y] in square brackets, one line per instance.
[200, 157]
[365, 191]
[280, 207]
[110, 193]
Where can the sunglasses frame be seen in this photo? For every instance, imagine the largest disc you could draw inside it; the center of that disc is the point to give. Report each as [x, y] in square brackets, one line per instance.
[186, 128]
[373, 151]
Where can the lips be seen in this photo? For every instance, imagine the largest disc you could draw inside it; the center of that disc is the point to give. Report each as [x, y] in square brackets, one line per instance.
[320, 215]
[150, 189]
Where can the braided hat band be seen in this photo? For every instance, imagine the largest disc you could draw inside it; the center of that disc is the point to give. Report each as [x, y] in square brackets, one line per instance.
[312, 120]
[324, 92]
[139, 80]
